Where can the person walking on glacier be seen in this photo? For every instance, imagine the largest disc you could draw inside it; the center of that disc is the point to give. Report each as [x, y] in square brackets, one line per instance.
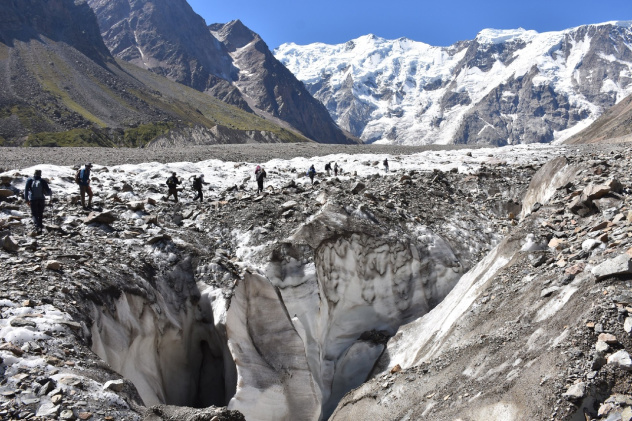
[82, 177]
[197, 186]
[34, 193]
[385, 164]
[311, 173]
[172, 184]
[260, 175]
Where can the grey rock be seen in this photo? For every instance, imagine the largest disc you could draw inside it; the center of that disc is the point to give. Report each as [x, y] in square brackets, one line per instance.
[627, 324]
[619, 265]
[548, 291]
[8, 244]
[590, 244]
[100, 218]
[622, 359]
[602, 347]
[289, 205]
[576, 391]
[48, 410]
[114, 385]
[358, 187]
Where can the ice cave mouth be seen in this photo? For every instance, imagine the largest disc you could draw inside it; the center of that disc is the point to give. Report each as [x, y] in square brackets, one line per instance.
[173, 354]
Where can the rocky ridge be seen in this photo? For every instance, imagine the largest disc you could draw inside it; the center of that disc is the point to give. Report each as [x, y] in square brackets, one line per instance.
[169, 38]
[63, 88]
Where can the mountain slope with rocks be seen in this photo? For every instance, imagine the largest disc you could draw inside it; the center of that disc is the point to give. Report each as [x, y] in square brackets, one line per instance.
[540, 328]
[62, 87]
[169, 38]
[462, 286]
[615, 125]
[504, 87]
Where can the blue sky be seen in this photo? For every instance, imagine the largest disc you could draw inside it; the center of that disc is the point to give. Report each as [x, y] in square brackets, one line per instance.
[436, 22]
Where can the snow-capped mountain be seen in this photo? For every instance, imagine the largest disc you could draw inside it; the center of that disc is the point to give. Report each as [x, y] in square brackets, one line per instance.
[503, 87]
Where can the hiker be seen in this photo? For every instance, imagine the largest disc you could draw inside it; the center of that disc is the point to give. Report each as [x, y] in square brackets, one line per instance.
[385, 164]
[260, 174]
[336, 168]
[328, 168]
[197, 186]
[311, 173]
[34, 193]
[82, 177]
[172, 183]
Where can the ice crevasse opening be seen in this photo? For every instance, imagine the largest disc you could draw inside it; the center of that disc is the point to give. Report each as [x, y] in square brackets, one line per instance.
[304, 324]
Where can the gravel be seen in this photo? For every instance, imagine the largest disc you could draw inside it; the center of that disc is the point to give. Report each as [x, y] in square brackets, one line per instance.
[18, 158]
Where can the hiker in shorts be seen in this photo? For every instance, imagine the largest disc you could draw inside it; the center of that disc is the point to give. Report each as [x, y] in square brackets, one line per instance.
[260, 175]
[83, 179]
[172, 184]
[34, 192]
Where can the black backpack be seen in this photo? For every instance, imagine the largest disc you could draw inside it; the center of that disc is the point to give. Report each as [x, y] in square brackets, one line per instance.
[197, 183]
[37, 189]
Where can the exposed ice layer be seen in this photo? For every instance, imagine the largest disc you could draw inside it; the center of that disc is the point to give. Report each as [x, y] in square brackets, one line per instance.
[358, 283]
[426, 336]
[168, 347]
[553, 175]
[274, 381]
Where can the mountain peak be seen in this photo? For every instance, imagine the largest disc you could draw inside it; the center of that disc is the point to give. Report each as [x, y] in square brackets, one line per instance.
[499, 36]
[233, 34]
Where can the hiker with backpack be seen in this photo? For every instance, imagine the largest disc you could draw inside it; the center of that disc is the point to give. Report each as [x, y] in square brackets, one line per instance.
[82, 177]
[34, 193]
[328, 168]
[260, 175]
[197, 186]
[172, 184]
[311, 173]
[385, 163]
[336, 169]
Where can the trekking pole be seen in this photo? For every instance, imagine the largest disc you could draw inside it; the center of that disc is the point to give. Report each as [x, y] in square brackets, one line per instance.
[52, 210]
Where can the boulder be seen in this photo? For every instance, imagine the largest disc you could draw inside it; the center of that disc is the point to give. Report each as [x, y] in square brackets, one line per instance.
[106, 217]
[289, 205]
[136, 205]
[53, 265]
[558, 243]
[590, 244]
[7, 243]
[622, 359]
[608, 338]
[619, 265]
[359, 186]
[581, 205]
[576, 391]
[6, 193]
[114, 385]
[593, 191]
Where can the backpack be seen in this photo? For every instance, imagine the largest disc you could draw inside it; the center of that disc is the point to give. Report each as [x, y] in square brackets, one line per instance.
[37, 189]
[260, 175]
[78, 176]
[171, 182]
[197, 183]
